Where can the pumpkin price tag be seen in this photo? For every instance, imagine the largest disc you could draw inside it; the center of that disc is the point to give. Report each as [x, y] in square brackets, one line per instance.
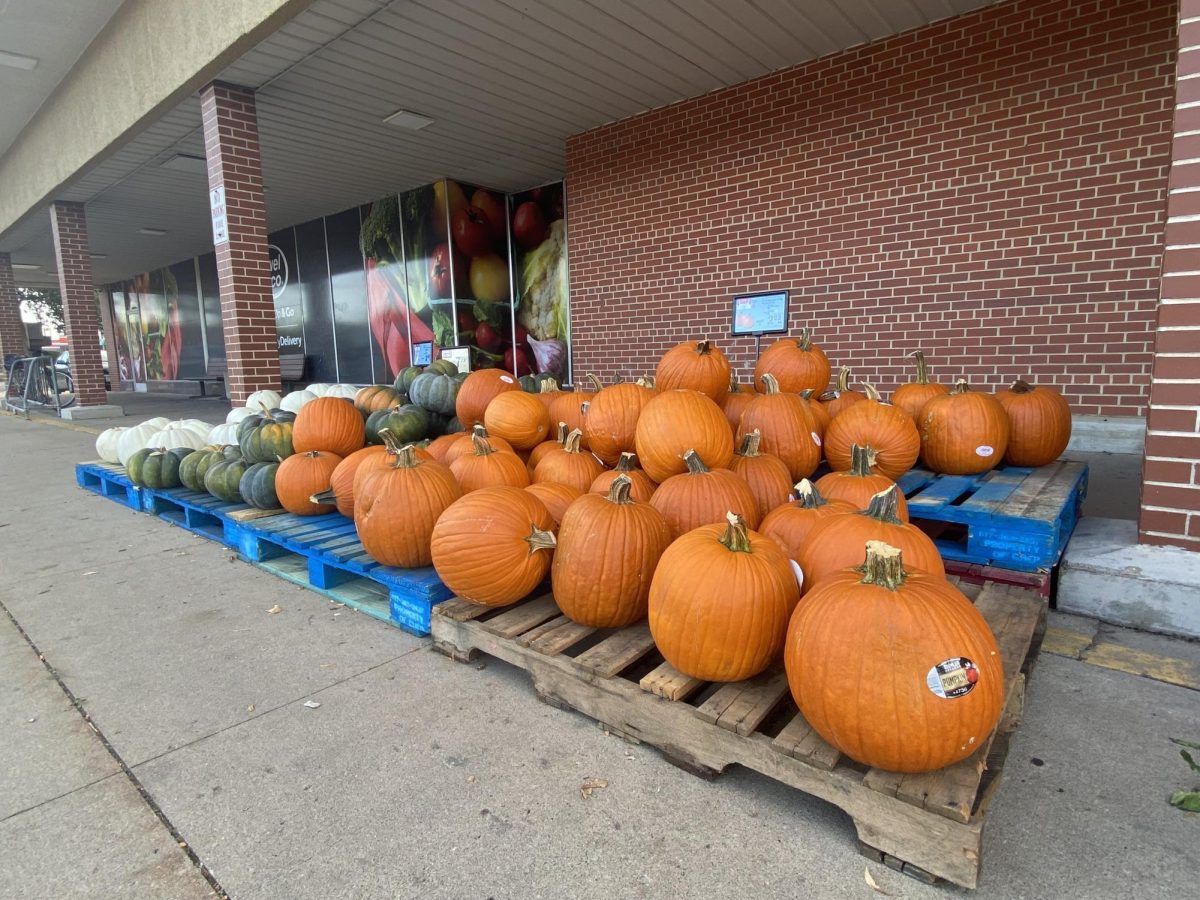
[954, 677]
[984, 450]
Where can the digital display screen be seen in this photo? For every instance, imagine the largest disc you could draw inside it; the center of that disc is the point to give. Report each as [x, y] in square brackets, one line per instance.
[765, 313]
[422, 353]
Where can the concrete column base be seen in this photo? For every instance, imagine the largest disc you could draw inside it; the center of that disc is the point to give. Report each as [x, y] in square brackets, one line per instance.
[1108, 575]
[102, 411]
[1112, 434]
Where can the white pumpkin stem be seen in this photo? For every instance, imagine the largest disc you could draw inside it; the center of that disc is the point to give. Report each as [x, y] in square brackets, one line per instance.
[883, 566]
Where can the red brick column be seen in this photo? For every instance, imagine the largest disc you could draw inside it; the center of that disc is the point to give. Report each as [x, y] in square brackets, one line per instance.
[13, 340]
[1171, 478]
[79, 301]
[247, 309]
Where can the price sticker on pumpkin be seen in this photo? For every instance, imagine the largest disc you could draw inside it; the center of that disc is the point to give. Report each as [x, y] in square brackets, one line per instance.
[954, 677]
[984, 450]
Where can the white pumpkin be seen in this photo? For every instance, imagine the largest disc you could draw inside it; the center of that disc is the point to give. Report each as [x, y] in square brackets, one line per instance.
[157, 422]
[260, 399]
[237, 414]
[296, 399]
[223, 434]
[169, 439]
[345, 391]
[131, 440]
[106, 443]
[319, 389]
[197, 425]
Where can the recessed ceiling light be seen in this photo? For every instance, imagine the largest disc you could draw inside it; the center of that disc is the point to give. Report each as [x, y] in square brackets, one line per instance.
[409, 120]
[157, 232]
[17, 61]
[28, 266]
[185, 162]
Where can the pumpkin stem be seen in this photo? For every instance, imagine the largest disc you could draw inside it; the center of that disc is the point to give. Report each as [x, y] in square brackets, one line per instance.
[884, 506]
[805, 342]
[770, 383]
[266, 412]
[647, 381]
[843, 380]
[695, 464]
[704, 347]
[872, 394]
[806, 394]
[390, 441]
[540, 540]
[922, 368]
[1021, 386]
[960, 387]
[750, 443]
[735, 539]
[862, 460]
[562, 433]
[807, 495]
[733, 383]
[406, 458]
[482, 445]
[549, 386]
[883, 566]
[323, 498]
[571, 443]
[625, 463]
[597, 384]
[478, 430]
[618, 491]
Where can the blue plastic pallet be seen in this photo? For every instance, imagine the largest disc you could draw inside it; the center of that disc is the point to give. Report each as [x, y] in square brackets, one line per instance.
[199, 513]
[324, 553]
[108, 480]
[1011, 518]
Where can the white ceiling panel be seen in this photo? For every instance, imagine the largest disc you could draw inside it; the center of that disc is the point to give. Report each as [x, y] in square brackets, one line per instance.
[506, 82]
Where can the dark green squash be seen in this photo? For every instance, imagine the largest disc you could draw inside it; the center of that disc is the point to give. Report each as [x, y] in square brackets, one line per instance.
[268, 441]
[442, 367]
[156, 468]
[532, 384]
[435, 393]
[257, 485]
[195, 465]
[276, 415]
[224, 478]
[406, 377]
[408, 423]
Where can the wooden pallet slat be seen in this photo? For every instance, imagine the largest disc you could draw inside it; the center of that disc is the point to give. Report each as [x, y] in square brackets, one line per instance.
[618, 651]
[521, 618]
[669, 683]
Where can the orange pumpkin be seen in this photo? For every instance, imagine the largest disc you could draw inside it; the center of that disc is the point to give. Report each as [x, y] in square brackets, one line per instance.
[694, 366]
[858, 484]
[963, 432]
[479, 389]
[886, 429]
[611, 420]
[766, 475]
[608, 547]
[820, 416]
[341, 480]
[735, 400]
[302, 475]
[536, 454]
[440, 445]
[375, 397]
[674, 422]
[391, 451]
[797, 364]
[519, 418]
[557, 497]
[546, 392]
[787, 427]
[493, 546]
[641, 487]
[572, 407]
[464, 445]
[396, 506]
[720, 600]
[331, 424]
[489, 467]
[841, 397]
[836, 542]
[789, 525]
[913, 396]
[928, 678]
[568, 465]
[702, 496]
[1040, 421]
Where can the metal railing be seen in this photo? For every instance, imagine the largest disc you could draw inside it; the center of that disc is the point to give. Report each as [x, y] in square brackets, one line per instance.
[34, 381]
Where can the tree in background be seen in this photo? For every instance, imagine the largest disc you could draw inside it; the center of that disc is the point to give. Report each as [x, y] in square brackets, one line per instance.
[46, 304]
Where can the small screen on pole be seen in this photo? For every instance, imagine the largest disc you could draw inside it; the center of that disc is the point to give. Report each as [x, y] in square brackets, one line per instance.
[422, 353]
[765, 313]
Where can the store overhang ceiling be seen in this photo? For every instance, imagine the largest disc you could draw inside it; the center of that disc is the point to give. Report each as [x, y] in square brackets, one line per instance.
[505, 81]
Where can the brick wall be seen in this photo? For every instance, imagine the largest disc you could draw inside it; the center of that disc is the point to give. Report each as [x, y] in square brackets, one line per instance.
[13, 340]
[69, 225]
[247, 308]
[990, 188]
[1170, 511]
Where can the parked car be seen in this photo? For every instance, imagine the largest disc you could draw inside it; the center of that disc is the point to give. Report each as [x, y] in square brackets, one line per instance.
[63, 363]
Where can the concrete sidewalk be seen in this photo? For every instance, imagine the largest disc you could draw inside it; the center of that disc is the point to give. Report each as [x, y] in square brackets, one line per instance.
[419, 777]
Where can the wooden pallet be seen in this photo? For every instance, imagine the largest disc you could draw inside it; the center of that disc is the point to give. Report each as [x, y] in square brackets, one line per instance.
[108, 480]
[324, 554]
[929, 826]
[1010, 518]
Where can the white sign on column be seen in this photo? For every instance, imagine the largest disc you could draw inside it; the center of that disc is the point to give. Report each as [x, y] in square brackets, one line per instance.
[216, 201]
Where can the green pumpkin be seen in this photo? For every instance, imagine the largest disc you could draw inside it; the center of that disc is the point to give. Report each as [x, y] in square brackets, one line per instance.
[257, 485]
[453, 426]
[269, 441]
[195, 465]
[442, 367]
[532, 384]
[405, 379]
[407, 423]
[435, 393]
[223, 479]
[156, 469]
[267, 415]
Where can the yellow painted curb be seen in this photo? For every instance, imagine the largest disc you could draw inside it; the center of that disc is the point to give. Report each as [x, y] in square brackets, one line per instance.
[1064, 642]
[57, 423]
[1167, 669]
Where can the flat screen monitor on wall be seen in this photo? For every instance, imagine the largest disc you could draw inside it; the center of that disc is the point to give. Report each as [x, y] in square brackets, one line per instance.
[761, 313]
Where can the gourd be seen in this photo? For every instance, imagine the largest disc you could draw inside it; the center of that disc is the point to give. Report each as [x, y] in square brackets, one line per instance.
[405, 379]
[409, 423]
[765, 474]
[303, 475]
[294, 401]
[106, 444]
[171, 439]
[536, 454]
[696, 366]
[440, 445]
[676, 421]
[641, 488]
[375, 397]
[789, 525]
[735, 401]
[797, 364]
[720, 600]
[702, 496]
[263, 399]
[841, 397]
[319, 389]
[911, 397]
[568, 465]
[223, 434]
[518, 417]
[493, 546]
[477, 391]
[487, 467]
[396, 506]
[786, 426]
[257, 485]
[608, 547]
[886, 429]
[820, 416]
[265, 439]
[860, 482]
[963, 432]
[331, 424]
[235, 415]
[928, 678]
[464, 444]
[1040, 424]
[556, 497]
[194, 466]
[572, 407]
[156, 468]
[135, 438]
[223, 479]
[611, 422]
[435, 392]
[442, 367]
[342, 391]
[341, 480]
